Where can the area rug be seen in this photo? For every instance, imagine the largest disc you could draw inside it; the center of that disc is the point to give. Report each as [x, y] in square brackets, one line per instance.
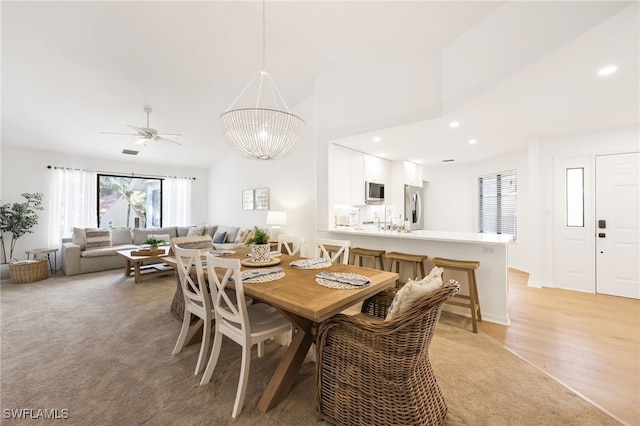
[95, 349]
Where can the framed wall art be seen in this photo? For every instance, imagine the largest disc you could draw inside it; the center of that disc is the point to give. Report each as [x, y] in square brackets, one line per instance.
[261, 199]
[247, 199]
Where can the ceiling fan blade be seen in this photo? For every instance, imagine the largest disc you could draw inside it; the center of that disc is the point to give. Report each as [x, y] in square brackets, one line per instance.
[119, 133]
[162, 138]
[137, 129]
[141, 141]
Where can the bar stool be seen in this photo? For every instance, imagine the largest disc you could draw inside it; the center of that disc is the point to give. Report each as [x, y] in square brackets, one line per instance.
[373, 255]
[471, 301]
[414, 259]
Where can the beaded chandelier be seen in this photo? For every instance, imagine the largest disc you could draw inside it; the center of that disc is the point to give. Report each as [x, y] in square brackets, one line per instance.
[262, 133]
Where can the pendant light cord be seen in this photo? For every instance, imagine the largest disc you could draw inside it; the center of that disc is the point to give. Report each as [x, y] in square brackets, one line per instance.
[264, 36]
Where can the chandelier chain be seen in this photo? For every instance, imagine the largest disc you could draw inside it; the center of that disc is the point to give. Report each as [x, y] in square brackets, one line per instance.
[264, 35]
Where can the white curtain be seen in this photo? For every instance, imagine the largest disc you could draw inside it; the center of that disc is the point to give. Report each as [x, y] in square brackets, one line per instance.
[176, 201]
[72, 203]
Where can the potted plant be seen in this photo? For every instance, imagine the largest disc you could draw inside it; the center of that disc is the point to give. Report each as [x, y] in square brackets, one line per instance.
[153, 244]
[18, 219]
[260, 247]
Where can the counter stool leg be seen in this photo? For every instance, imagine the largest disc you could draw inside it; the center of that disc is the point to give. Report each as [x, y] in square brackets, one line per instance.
[472, 278]
[390, 267]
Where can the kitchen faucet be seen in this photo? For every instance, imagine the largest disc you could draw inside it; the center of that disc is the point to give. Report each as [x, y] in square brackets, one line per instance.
[387, 207]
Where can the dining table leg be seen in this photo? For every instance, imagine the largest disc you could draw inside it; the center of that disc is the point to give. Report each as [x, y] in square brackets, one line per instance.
[290, 364]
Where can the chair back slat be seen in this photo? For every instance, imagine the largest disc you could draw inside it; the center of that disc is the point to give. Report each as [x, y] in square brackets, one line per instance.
[187, 260]
[227, 309]
[292, 243]
[320, 247]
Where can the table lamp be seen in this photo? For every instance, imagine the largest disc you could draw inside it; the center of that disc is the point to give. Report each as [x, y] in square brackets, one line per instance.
[276, 219]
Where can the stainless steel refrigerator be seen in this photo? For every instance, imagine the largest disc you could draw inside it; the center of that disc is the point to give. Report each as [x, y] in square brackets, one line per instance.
[413, 206]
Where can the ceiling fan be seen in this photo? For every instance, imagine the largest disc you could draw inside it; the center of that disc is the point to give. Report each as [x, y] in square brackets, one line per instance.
[146, 134]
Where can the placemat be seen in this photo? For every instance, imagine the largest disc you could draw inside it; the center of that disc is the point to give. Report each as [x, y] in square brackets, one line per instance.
[341, 280]
[252, 264]
[318, 263]
[262, 276]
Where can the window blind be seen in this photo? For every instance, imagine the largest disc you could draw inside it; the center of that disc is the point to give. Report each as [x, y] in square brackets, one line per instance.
[497, 208]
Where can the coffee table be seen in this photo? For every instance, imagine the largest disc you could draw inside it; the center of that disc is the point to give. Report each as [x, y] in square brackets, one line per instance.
[135, 263]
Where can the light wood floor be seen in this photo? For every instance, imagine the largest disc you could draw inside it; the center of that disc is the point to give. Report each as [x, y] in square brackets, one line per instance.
[589, 342]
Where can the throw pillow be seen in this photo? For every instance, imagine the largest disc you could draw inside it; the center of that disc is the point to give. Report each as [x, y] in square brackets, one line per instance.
[79, 237]
[196, 231]
[97, 238]
[413, 291]
[219, 237]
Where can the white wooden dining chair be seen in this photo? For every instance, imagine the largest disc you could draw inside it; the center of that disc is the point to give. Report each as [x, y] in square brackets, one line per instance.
[196, 300]
[244, 325]
[331, 249]
[292, 243]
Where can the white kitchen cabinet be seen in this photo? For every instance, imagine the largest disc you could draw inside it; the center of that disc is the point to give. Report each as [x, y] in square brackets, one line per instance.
[357, 177]
[376, 169]
[412, 173]
[347, 169]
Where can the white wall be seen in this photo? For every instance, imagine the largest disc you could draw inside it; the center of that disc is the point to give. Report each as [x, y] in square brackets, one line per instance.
[451, 194]
[452, 200]
[25, 170]
[291, 182]
[610, 141]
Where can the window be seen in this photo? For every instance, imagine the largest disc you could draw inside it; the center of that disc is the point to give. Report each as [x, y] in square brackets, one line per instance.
[497, 203]
[125, 202]
[575, 197]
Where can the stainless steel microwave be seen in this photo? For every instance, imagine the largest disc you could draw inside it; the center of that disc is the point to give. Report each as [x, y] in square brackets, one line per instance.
[374, 192]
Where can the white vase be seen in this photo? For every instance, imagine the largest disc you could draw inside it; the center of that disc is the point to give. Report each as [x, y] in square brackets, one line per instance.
[261, 252]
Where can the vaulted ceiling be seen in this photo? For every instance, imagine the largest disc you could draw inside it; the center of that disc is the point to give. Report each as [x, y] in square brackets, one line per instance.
[506, 71]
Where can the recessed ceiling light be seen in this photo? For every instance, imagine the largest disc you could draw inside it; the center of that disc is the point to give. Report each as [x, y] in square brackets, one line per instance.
[377, 139]
[454, 124]
[608, 70]
[472, 141]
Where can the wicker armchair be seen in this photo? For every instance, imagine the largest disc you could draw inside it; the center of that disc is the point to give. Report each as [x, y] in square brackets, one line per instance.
[375, 372]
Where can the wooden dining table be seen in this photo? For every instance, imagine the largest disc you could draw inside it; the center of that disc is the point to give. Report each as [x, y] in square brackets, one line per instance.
[305, 304]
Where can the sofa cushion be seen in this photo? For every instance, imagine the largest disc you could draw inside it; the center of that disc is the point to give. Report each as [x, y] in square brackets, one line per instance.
[232, 233]
[182, 231]
[120, 237]
[79, 237]
[107, 251]
[196, 231]
[219, 237]
[210, 230]
[139, 235]
[98, 238]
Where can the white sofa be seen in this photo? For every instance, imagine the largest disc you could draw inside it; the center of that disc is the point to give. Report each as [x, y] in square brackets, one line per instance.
[78, 259]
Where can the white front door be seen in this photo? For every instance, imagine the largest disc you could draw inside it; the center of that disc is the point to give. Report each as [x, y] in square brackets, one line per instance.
[617, 225]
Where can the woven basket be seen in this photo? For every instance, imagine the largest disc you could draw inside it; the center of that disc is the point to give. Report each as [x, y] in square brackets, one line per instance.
[29, 271]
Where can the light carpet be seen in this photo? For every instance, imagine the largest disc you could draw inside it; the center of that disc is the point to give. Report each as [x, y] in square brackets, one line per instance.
[99, 346]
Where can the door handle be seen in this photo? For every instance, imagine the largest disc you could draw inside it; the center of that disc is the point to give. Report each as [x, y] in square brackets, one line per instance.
[602, 235]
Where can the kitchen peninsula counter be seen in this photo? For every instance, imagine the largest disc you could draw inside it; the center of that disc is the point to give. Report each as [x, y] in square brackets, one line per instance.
[488, 249]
